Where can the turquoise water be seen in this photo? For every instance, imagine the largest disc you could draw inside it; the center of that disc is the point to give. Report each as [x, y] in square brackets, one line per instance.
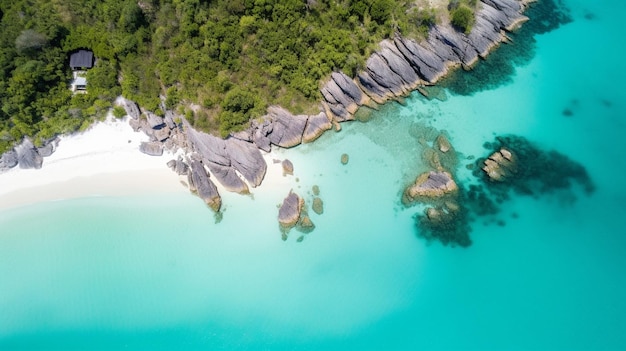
[156, 272]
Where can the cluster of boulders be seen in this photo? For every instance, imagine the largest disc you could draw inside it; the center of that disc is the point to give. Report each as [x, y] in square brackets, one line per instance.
[27, 155]
[401, 64]
[281, 128]
[500, 165]
[164, 132]
[293, 213]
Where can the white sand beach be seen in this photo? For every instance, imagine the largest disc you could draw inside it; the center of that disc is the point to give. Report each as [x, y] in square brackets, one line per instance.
[103, 161]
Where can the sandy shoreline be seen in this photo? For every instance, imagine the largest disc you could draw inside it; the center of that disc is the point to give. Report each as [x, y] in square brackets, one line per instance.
[103, 161]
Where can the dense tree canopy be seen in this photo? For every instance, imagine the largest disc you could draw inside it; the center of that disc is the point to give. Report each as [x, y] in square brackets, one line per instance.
[229, 58]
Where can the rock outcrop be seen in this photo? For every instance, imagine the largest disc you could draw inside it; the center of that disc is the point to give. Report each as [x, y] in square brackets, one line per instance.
[238, 155]
[316, 125]
[500, 165]
[27, 155]
[431, 184]
[200, 184]
[290, 210]
[401, 64]
[179, 166]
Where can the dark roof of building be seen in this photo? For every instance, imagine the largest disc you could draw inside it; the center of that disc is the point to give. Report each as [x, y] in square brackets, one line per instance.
[81, 58]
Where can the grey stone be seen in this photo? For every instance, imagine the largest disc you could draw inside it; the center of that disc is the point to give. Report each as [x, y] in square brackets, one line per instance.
[398, 64]
[27, 155]
[287, 167]
[380, 71]
[8, 160]
[316, 126]
[151, 148]
[289, 212]
[154, 121]
[203, 186]
[287, 129]
[131, 108]
[334, 95]
[348, 86]
[374, 90]
[169, 119]
[243, 156]
[162, 134]
[228, 178]
[428, 65]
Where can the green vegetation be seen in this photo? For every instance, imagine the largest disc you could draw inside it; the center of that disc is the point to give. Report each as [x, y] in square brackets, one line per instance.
[462, 14]
[232, 58]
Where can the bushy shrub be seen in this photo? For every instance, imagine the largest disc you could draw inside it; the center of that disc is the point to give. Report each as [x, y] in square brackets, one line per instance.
[462, 18]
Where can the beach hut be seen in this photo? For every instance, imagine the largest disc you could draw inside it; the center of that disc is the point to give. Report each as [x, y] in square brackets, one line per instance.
[81, 60]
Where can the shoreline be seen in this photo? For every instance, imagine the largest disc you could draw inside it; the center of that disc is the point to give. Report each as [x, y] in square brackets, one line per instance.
[102, 161]
[105, 161]
[113, 146]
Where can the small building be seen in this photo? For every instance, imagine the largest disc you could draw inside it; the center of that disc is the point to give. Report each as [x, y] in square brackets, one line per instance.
[79, 84]
[81, 60]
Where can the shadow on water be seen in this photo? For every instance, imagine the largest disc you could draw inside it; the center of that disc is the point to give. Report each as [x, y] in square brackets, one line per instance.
[499, 67]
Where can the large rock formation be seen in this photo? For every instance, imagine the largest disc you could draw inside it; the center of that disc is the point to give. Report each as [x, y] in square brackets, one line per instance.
[287, 129]
[200, 183]
[401, 64]
[316, 125]
[241, 156]
[27, 155]
[289, 212]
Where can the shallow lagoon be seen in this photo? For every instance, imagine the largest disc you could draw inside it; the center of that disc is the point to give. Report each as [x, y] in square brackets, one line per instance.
[151, 272]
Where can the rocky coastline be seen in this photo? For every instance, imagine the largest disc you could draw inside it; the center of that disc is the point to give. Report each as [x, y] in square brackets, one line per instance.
[400, 66]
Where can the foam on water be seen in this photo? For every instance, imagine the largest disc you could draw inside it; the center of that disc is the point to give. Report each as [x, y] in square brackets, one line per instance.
[156, 271]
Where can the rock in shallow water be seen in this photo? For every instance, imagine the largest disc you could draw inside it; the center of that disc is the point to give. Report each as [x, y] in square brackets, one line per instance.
[432, 184]
[289, 212]
[318, 205]
[344, 159]
[203, 186]
[287, 167]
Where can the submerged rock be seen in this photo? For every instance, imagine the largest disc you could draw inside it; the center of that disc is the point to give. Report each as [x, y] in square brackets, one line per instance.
[305, 224]
[316, 190]
[344, 159]
[318, 205]
[442, 143]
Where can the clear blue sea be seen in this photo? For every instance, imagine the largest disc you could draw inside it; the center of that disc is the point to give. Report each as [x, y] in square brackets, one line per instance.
[156, 272]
